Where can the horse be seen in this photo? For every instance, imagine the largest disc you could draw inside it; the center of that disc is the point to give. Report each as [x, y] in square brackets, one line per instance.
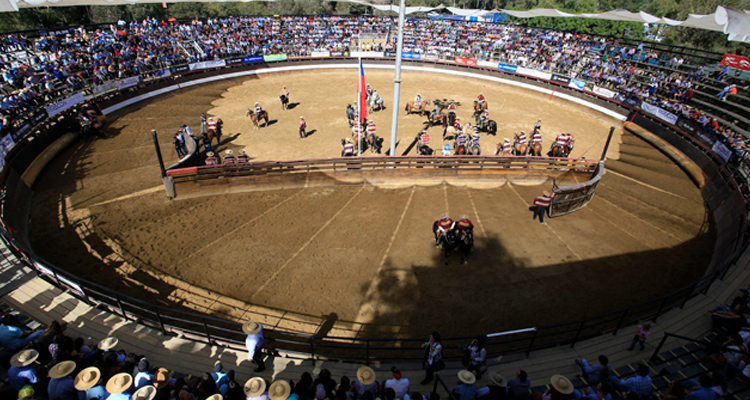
[480, 108]
[474, 150]
[421, 110]
[215, 133]
[450, 133]
[447, 241]
[373, 142]
[465, 245]
[375, 100]
[490, 126]
[440, 118]
[519, 149]
[500, 151]
[256, 120]
[284, 102]
[460, 150]
[535, 149]
[558, 151]
[424, 150]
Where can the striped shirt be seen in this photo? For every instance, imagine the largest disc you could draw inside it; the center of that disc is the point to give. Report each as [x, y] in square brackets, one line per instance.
[371, 129]
[212, 125]
[521, 138]
[461, 140]
[229, 159]
[536, 138]
[349, 149]
[424, 139]
[561, 140]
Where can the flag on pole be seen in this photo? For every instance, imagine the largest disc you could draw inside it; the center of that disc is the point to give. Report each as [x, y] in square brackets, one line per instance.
[362, 94]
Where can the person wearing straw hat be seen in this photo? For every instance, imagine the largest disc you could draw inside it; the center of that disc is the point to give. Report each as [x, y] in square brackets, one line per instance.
[89, 382]
[255, 389]
[253, 342]
[229, 157]
[243, 158]
[467, 386]
[145, 393]
[119, 386]
[162, 383]
[562, 389]
[497, 389]
[279, 390]
[211, 158]
[365, 382]
[61, 385]
[542, 204]
[22, 370]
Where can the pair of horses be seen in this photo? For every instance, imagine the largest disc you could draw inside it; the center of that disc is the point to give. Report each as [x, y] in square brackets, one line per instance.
[468, 149]
[454, 239]
[374, 100]
[520, 149]
[257, 118]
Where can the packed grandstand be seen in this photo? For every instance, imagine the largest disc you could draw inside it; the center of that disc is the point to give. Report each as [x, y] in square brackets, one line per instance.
[675, 87]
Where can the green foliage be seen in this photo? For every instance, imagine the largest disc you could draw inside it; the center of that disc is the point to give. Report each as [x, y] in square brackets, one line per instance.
[586, 25]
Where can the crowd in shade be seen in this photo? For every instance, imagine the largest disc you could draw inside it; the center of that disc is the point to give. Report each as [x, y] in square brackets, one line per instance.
[73, 61]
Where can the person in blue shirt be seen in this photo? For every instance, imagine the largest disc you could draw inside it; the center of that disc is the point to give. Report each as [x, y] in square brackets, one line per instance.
[467, 388]
[119, 386]
[704, 392]
[89, 384]
[12, 337]
[22, 370]
[61, 384]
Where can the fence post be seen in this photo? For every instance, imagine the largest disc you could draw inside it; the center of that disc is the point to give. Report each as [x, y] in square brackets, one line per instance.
[661, 308]
[367, 352]
[622, 319]
[158, 316]
[119, 303]
[575, 339]
[208, 334]
[655, 356]
[531, 344]
[312, 348]
[85, 295]
[57, 279]
[690, 293]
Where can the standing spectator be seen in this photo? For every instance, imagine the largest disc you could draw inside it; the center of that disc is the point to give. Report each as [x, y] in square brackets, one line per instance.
[594, 373]
[434, 354]
[204, 123]
[12, 337]
[467, 388]
[562, 389]
[365, 383]
[641, 335]
[179, 144]
[88, 382]
[253, 342]
[640, 384]
[542, 204]
[302, 127]
[22, 370]
[400, 385]
[518, 387]
[61, 385]
[496, 390]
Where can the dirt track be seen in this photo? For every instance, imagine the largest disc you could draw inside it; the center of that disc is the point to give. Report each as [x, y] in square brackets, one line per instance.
[366, 253]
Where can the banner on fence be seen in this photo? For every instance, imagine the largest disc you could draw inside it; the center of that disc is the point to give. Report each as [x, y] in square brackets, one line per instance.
[207, 64]
[736, 61]
[487, 64]
[507, 67]
[722, 151]
[128, 82]
[180, 69]
[342, 53]
[21, 131]
[63, 105]
[411, 56]
[389, 54]
[660, 113]
[431, 57]
[321, 53]
[7, 144]
[162, 73]
[565, 80]
[604, 92]
[357, 54]
[253, 59]
[534, 72]
[235, 60]
[104, 88]
[574, 83]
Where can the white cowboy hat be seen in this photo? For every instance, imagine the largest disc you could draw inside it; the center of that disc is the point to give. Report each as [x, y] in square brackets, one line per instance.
[215, 397]
[62, 369]
[24, 358]
[119, 383]
[301, 117]
[209, 154]
[144, 393]
[257, 103]
[255, 387]
[562, 384]
[87, 378]
[444, 215]
[279, 390]
[466, 377]
[498, 379]
[108, 343]
[242, 152]
[506, 140]
[229, 152]
[251, 327]
[366, 375]
[464, 216]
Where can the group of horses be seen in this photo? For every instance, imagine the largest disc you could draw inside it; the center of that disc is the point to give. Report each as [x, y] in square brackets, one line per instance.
[454, 239]
[447, 119]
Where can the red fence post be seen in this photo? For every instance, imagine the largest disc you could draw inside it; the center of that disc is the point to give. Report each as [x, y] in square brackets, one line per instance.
[553, 92]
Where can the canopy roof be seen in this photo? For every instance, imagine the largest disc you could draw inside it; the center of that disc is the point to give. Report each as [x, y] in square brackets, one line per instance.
[735, 23]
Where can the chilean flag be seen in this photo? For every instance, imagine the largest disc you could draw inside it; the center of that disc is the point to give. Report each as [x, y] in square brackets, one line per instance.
[362, 94]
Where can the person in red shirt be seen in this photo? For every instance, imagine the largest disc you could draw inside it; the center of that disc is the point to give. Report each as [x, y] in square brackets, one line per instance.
[441, 226]
[302, 127]
[465, 225]
[542, 203]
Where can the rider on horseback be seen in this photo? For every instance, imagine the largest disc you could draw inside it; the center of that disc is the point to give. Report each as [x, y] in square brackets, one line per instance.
[443, 225]
[536, 137]
[483, 119]
[435, 112]
[460, 140]
[457, 124]
[348, 150]
[480, 100]
[258, 111]
[505, 148]
[418, 101]
[371, 128]
[521, 138]
[561, 140]
[424, 143]
[474, 142]
[284, 92]
[369, 91]
[229, 157]
[465, 225]
[538, 125]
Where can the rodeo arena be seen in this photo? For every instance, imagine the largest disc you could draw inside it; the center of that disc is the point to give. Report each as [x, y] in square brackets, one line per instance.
[421, 206]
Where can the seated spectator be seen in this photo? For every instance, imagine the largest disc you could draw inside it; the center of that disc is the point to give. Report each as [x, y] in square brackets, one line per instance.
[703, 392]
[603, 392]
[145, 393]
[496, 390]
[22, 370]
[90, 384]
[61, 384]
[365, 383]
[594, 373]
[640, 384]
[562, 389]
[119, 386]
[12, 337]
[676, 392]
[467, 388]
[325, 384]
[400, 385]
[518, 387]
[255, 389]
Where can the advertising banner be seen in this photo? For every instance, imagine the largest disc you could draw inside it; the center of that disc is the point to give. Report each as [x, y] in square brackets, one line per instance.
[105, 87]
[466, 61]
[574, 83]
[253, 59]
[321, 53]
[128, 82]
[63, 105]
[561, 79]
[356, 54]
[604, 92]
[507, 67]
[162, 73]
[342, 53]
[7, 144]
[487, 64]
[207, 64]
[736, 61]
[662, 114]
[179, 69]
[274, 57]
[21, 131]
[389, 54]
[533, 72]
[233, 61]
[410, 56]
[722, 151]
[432, 57]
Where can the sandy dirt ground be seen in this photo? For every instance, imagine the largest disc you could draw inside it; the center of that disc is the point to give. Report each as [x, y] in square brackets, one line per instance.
[366, 253]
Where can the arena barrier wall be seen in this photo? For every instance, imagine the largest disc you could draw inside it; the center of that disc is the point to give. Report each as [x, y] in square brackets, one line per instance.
[721, 194]
[571, 198]
[477, 171]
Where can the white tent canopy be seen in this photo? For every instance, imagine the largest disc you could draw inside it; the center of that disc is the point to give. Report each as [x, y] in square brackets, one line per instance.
[735, 23]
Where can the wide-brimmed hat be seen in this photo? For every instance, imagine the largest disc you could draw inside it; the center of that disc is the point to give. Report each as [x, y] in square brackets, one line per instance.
[108, 343]
[161, 378]
[144, 393]
[301, 117]
[464, 216]
[62, 369]
[255, 387]
[498, 379]
[279, 390]
[562, 384]
[119, 383]
[242, 152]
[87, 378]
[444, 216]
[229, 152]
[256, 103]
[506, 140]
[546, 193]
[24, 358]
[251, 327]
[366, 375]
[215, 397]
[466, 376]
[210, 154]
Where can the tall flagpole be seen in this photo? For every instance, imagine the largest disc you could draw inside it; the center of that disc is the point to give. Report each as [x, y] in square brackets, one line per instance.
[397, 78]
[359, 109]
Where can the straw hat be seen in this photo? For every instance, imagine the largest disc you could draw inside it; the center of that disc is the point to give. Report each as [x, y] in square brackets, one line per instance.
[256, 103]
[464, 216]
[562, 384]
[144, 393]
[366, 375]
[444, 216]
[466, 377]
[498, 379]
[210, 154]
[251, 327]
[215, 397]
[119, 383]
[161, 378]
[24, 358]
[255, 387]
[243, 152]
[62, 369]
[279, 390]
[506, 140]
[87, 378]
[230, 152]
[301, 117]
[546, 193]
